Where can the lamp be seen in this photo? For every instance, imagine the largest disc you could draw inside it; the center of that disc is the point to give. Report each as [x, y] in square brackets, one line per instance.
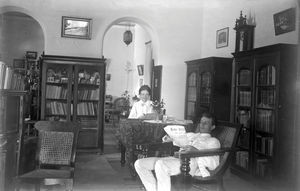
[127, 37]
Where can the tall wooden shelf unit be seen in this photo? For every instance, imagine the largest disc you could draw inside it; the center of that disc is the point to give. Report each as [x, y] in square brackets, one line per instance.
[11, 120]
[208, 87]
[265, 94]
[73, 90]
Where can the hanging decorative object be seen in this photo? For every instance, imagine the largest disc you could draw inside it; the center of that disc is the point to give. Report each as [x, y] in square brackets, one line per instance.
[127, 37]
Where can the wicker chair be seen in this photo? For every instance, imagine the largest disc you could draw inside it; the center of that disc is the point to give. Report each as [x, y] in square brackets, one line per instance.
[227, 133]
[55, 156]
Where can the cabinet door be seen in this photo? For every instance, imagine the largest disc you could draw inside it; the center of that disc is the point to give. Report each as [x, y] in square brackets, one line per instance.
[265, 100]
[191, 96]
[243, 111]
[57, 92]
[87, 104]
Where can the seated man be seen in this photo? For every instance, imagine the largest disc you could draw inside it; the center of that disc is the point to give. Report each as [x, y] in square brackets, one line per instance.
[170, 166]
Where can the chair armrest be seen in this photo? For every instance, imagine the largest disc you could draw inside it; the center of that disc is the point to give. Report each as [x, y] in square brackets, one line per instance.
[202, 153]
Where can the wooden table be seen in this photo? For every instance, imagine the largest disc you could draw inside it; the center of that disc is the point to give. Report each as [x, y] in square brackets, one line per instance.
[133, 132]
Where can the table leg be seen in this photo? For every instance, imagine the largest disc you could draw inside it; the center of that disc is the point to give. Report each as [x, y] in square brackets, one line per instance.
[123, 150]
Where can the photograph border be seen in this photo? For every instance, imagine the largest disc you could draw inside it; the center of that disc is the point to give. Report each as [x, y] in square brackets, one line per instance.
[89, 27]
[218, 33]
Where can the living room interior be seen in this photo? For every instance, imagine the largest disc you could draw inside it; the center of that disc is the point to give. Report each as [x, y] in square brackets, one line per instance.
[131, 43]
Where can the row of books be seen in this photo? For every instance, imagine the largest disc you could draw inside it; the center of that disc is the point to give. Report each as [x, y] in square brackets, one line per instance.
[56, 108]
[244, 77]
[88, 94]
[264, 122]
[87, 108]
[11, 79]
[245, 98]
[266, 98]
[267, 76]
[264, 145]
[263, 168]
[242, 159]
[56, 92]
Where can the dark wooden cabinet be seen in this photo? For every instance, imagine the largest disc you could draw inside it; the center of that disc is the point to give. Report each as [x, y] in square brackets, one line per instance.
[265, 97]
[11, 120]
[73, 90]
[208, 87]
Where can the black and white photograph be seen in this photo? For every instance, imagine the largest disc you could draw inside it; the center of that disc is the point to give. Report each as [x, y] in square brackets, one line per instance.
[150, 95]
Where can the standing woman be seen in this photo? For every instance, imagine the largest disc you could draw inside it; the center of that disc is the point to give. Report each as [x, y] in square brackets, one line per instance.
[144, 106]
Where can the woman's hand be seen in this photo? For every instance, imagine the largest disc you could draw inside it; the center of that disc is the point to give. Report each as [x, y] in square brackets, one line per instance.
[167, 138]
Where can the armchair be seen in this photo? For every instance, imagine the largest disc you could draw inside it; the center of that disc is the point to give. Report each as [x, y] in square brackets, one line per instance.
[55, 156]
[227, 134]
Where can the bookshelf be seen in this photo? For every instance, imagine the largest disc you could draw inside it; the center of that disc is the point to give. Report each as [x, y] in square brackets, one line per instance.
[264, 81]
[11, 120]
[208, 87]
[73, 90]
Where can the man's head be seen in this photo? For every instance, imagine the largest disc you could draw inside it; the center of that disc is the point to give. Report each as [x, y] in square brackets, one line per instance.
[206, 124]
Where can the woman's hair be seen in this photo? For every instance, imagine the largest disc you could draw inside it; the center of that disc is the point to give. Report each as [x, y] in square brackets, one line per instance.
[145, 87]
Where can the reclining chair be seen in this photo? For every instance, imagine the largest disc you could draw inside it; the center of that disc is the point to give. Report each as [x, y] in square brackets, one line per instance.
[227, 134]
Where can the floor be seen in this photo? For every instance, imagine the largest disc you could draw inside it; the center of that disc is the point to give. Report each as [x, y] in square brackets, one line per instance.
[103, 172]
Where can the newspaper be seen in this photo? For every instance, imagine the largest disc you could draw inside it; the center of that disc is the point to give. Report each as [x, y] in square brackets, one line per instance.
[178, 135]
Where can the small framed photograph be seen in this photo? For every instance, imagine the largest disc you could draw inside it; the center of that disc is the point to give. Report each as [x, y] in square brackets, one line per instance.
[140, 70]
[285, 21]
[31, 54]
[73, 27]
[19, 64]
[222, 37]
[108, 76]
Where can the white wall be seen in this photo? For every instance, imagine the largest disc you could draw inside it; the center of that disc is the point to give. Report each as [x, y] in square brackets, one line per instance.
[220, 15]
[20, 34]
[118, 55]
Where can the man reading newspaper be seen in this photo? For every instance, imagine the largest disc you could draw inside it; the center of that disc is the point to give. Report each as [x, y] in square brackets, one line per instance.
[170, 166]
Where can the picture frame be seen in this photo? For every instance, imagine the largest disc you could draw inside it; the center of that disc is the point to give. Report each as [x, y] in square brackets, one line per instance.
[222, 37]
[140, 70]
[19, 64]
[108, 77]
[31, 54]
[74, 27]
[285, 21]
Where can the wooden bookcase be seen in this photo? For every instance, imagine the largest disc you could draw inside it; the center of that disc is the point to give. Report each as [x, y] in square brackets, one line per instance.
[73, 90]
[208, 87]
[265, 94]
[11, 120]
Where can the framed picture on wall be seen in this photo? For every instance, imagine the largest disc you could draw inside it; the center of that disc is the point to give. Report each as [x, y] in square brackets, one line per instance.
[285, 21]
[73, 27]
[140, 70]
[31, 54]
[222, 37]
[19, 64]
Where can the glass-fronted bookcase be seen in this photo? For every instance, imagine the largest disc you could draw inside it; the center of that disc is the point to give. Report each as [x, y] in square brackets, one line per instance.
[73, 90]
[264, 82]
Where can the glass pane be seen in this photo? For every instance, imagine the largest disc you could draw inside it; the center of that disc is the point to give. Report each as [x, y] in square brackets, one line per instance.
[205, 95]
[244, 77]
[57, 74]
[266, 97]
[244, 98]
[265, 120]
[192, 94]
[243, 117]
[192, 79]
[206, 79]
[242, 159]
[267, 75]
[88, 76]
[191, 108]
